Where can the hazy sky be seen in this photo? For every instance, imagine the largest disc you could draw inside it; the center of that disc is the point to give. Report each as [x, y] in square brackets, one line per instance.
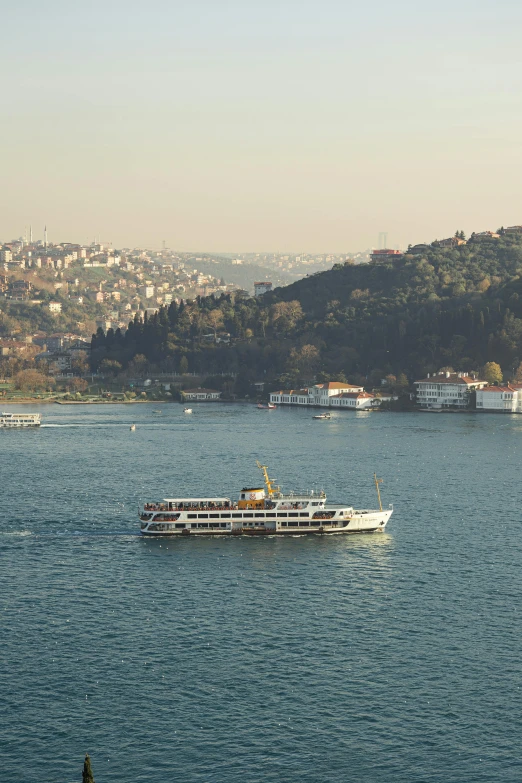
[259, 125]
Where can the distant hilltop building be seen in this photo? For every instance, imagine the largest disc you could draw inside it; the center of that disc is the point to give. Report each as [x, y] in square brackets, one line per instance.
[5, 254]
[484, 236]
[416, 250]
[450, 242]
[385, 255]
[262, 288]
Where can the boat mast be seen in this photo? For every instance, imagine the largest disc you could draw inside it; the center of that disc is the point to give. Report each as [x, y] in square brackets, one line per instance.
[377, 482]
[271, 491]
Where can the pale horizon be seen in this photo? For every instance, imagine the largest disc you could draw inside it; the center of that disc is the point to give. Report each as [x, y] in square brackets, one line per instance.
[240, 127]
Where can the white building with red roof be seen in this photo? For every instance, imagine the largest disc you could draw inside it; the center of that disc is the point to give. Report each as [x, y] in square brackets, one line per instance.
[355, 400]
[500, 399]
[319, 394]
[447, 390]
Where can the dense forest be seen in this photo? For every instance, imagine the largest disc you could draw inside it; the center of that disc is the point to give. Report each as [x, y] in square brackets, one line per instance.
[457, 306]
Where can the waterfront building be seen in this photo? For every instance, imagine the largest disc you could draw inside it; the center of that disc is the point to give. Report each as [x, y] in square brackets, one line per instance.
[500, 399]
[447, 390]
[201, 395]
[319, 394]
[356, 400]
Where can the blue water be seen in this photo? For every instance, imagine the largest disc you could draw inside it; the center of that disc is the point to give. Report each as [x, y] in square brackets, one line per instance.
[391, 658]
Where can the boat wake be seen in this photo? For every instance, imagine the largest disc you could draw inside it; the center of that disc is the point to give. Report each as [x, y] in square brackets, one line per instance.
[19, 533]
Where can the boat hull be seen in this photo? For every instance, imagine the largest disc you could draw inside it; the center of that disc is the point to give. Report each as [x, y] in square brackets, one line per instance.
[358, 522]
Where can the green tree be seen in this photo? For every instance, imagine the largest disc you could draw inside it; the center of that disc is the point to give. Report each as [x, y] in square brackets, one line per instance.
[87, 776]
[110, 367]
[183, 365]
[492, 373]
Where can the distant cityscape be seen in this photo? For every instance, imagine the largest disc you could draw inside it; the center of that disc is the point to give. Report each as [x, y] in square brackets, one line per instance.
[110, 286]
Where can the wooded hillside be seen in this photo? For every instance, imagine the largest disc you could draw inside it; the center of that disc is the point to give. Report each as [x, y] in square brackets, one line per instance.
[458, 306]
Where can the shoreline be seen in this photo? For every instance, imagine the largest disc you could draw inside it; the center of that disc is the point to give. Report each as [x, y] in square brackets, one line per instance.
[36, 401]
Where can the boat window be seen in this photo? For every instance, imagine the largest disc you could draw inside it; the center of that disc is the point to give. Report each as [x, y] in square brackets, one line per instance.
[202, 516]
[242, 496]
[194, 524]
[303, 515]
[192, 516]
[223, 524]
[214, 516]
[249, 516]
[314, 523]
[304, 524]
[180, 524]
[225, 516]
[284, 524]
[315, 504]
[293, 514]
[237, 516]
[282, 514]
[203, 524]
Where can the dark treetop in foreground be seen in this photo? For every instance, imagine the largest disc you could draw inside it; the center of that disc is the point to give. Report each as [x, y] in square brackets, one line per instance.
[87, 776]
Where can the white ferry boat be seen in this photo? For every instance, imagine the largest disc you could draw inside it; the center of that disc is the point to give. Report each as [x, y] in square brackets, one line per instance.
[20, 420]
[260, 512]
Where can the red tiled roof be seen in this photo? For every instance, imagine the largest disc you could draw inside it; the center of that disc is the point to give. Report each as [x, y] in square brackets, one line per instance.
[336, 385]
[291, 391]
[453, 378]
[498, 389]
[354, 395]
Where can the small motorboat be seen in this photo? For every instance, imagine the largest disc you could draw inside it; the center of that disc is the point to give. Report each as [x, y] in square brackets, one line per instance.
[156, 411]
[132, 427]
[323, 416]
[187, 410]
[269, 407]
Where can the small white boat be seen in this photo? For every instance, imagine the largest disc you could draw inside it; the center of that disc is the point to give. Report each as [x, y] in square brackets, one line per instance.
[268, 407]
[323, 416]
[187, 410]
[156, 411]
[132, 427]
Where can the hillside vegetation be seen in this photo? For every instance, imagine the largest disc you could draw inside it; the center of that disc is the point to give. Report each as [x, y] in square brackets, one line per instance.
[459, 306]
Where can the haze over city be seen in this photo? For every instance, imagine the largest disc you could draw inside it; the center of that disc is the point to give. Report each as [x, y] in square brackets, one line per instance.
[245, 126]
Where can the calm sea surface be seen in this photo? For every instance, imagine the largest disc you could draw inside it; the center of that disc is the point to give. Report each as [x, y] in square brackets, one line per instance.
[387, 658]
